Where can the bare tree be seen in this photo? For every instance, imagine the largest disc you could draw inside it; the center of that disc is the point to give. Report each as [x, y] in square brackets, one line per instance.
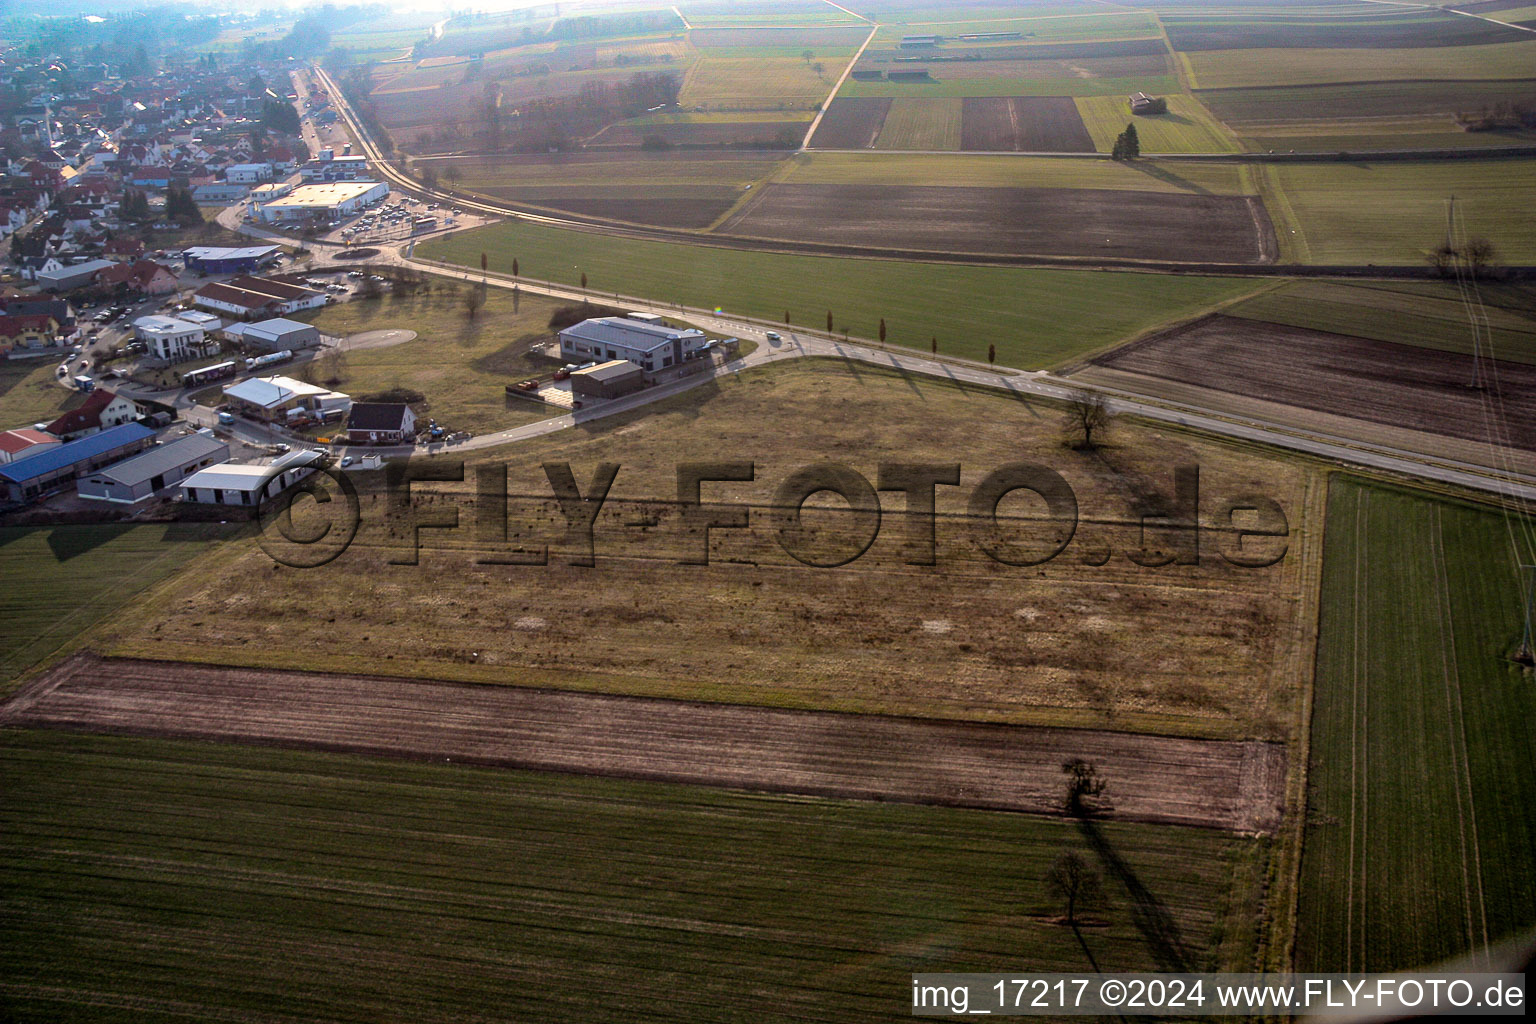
[1075, 882]
[1479, 254]
[1443, 259]
[1084, 787]
[1087, 414]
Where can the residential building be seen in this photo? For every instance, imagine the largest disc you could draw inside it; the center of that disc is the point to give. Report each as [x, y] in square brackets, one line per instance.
[144, 276]
[29, 330]
[171, 339]
[102, 410]
[380, 423]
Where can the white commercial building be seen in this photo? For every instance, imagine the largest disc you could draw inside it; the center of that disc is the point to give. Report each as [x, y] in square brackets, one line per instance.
[650, 346]
[248, 174]
[278, 399]
[329, 202]
[234, 483]
[170, 338]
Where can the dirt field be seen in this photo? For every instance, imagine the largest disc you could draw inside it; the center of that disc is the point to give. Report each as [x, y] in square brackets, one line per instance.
[1030, 124]
[1408, 30]
[1155, 779]
[1034, 52]
[663, 211]
[1400, 385]
[830, 38]
[1075, 222]
[851, 123]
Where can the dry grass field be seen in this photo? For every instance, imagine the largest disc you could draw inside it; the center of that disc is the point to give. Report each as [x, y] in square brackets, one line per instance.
[1198, 650]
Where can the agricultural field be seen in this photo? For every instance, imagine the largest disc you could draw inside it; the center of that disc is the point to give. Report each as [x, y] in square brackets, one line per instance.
[57, 582]
[851, 123]
[1398, 30]
[1025, 124]
[735, 129]
[1053, 221]
[1394, 212]
[1042, 26]
[1427, 389]
[1197, 650]
[943, 85]
[461, 364]
[921, 124]
[759, 83]
[1420, 843]
[1222, 69]
[1036, 318]
[1187, 127]
[1426, 314]
[1218, 178]
[257, 882]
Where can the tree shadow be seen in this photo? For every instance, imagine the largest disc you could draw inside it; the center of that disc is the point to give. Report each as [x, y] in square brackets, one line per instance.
[1165, 175]
[1148, 914]
[1092, 961]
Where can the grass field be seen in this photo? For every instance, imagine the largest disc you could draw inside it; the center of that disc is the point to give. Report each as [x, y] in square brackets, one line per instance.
[1219, 69]
[490, 174]
[1429, 314]
[57, 582]
[925, 124]
[1186, 128]
[1394, 212]
[1035, 318]
[763, 83]
[1188, 650]
[1421, 843]
[979, 170]
[1043, 26]
[942, 87]
[155, 880]
[29, 392]
[462, 365]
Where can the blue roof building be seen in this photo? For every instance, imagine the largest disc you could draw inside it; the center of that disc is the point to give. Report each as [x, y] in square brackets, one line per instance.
[38, 474]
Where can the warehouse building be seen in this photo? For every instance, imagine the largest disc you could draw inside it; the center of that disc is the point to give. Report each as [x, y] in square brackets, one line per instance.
[18, 444]
[276, 335]
[650, 346]
[234, 483]
[248, 174]
[278, 399]
[327, 203]
[607, 380]
[219, 193]
[270, 191]
[35, 475]
[246, 296]
[74, 276]
[166, 465]
[219, 259]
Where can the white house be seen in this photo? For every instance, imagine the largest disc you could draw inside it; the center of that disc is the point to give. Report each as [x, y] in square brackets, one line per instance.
[248, 174]
[170, 338]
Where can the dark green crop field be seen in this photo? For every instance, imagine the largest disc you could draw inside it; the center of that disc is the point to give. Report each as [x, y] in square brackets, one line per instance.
[1421, 830]
[149, 880]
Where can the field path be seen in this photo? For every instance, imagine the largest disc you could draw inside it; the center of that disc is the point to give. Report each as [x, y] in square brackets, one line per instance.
[1216, 784]
[816, 122]
[1358, 809]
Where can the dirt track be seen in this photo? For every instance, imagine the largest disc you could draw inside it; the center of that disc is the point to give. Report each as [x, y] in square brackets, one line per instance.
[1151, 778]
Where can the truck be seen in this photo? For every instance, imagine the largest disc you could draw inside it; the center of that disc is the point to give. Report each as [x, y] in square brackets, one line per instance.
[269, 359]
[85, 383]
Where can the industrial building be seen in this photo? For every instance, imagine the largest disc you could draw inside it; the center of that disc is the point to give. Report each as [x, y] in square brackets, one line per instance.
[219, 193]
[650, 346]
[18, 444]
[607, 380]
[278, 399]
[276, 335]
[36, 475]
[162, 466]
[75, 276]
[257, 296]
[270, 191]
[337, 168]
[218, 259]
[234, 483]
[327, 203]
[248, 174]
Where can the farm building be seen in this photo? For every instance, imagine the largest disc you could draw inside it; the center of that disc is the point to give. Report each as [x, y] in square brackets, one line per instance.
[75, 276]
[35, 475]
[380, 423]
[219, 193]
[650, 346]
[919, 42]
[217, 259]
[276, 399]
[101, 411]
[162, 466]
[1141, 103]
[18, 444]
[607, 380]
[248, 484]
[275, 335]
[170, 338]
[329, 202]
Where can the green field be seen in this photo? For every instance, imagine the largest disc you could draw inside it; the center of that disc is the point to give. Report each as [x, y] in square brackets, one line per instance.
[493, 174]
[1220, 69]
[30, 393]
[151, 880]
[1394, 212]
[1036, 318]
[1041, 26]
[924, 124]
[1427, 314]
[990, 170]
[57, 582]
[762, 83]
[1186, 128]
[1421, 839]
[1023, 86]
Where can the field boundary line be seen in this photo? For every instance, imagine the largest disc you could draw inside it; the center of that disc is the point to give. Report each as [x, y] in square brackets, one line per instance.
[1459, 750]
[1357, 794]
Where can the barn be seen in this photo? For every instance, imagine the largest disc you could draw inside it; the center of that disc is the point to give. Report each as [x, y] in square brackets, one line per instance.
[135, 479]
